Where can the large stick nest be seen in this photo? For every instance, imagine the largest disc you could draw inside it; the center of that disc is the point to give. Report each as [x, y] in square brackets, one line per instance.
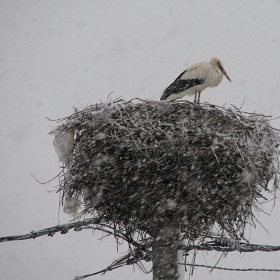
[143, 163]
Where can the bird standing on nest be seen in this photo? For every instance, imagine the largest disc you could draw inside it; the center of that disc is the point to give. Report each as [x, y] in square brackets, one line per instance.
[195, 79]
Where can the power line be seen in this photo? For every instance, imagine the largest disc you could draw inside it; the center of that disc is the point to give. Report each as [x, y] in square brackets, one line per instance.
[142, 251]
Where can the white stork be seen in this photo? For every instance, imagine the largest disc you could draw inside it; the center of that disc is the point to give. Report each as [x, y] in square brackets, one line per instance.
[195, 79]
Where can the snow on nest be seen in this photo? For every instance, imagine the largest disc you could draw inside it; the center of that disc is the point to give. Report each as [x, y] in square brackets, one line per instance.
[139, 163]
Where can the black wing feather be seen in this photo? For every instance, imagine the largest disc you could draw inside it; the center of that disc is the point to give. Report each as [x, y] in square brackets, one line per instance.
[180, 85]
[179, 77]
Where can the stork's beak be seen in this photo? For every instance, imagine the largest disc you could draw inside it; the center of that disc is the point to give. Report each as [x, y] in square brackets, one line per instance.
[224, 72]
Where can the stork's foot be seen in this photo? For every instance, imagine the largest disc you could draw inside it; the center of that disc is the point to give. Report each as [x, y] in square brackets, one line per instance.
[196, 101]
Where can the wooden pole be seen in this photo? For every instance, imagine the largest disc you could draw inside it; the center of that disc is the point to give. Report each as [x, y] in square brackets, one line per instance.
[165, 253]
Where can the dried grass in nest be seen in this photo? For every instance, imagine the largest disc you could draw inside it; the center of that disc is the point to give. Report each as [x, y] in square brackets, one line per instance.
[142, 163]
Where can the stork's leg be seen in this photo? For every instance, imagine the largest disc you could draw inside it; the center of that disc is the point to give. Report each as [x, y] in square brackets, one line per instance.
[195, 98]
[198, 99]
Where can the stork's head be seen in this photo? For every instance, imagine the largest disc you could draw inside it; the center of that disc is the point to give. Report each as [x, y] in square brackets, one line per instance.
[216, 62]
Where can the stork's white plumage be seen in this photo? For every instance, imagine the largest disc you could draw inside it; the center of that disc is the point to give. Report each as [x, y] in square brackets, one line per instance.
[195, 79]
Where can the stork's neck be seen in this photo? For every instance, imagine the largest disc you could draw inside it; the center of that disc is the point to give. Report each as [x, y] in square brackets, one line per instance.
[217, 69]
